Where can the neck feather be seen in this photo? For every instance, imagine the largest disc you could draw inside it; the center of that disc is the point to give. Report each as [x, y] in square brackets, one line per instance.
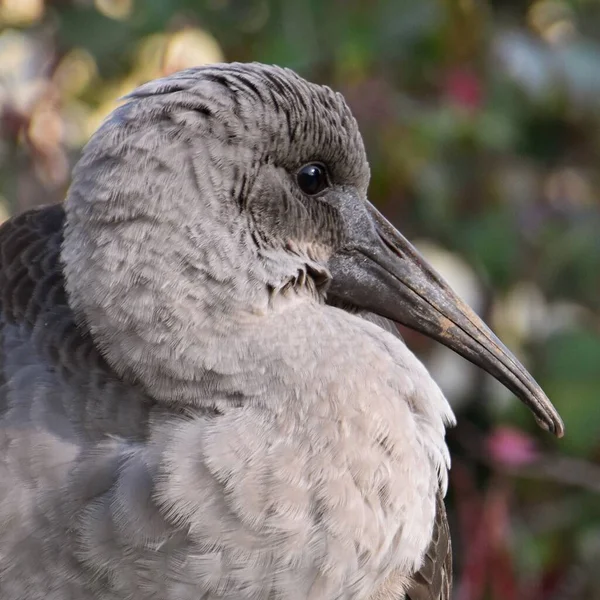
[156, 285]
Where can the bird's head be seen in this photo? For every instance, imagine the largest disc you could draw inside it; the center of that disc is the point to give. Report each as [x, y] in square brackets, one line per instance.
[251, 182]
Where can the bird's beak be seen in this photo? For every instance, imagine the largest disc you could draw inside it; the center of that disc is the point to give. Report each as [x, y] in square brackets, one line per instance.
[380, 271]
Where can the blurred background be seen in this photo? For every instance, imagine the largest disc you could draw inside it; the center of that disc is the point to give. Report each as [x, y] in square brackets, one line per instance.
[482, 123]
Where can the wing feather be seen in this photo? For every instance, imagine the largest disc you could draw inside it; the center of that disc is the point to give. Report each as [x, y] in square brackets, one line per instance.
[434, 580]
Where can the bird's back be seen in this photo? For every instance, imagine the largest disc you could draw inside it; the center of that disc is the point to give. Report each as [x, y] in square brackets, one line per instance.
[58, 400]
[53, 376]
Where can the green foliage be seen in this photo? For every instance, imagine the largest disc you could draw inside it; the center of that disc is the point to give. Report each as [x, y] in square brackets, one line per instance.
[571, 376]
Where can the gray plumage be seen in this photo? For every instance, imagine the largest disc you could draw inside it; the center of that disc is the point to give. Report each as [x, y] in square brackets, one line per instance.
[183, 415]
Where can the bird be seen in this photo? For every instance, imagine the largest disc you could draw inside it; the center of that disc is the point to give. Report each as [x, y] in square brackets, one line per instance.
[203, 391]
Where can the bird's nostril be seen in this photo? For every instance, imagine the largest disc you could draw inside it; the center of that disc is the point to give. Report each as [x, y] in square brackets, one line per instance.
[389, 244]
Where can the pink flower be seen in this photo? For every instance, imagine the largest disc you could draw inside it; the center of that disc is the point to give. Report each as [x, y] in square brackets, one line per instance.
[463, 87]
[511, 447]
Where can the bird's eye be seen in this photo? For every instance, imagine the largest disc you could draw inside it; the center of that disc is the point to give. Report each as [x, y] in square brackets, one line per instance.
[312, 179]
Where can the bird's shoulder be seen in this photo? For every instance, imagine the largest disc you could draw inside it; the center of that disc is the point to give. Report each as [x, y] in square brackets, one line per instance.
[34, 306]
[30, 274]
[49, 363]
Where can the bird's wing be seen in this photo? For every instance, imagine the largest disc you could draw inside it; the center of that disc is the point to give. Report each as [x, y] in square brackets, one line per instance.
[51, 374]
[434, 580]
[74, 484]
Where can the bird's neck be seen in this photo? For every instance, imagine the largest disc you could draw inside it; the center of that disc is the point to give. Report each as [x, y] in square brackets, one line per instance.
[187, 332]
[230, 349]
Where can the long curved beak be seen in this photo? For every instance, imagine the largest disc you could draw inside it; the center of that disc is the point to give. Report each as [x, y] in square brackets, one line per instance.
[380, 271]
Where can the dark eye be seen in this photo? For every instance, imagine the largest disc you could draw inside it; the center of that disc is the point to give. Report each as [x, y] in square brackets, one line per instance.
[312, 179]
